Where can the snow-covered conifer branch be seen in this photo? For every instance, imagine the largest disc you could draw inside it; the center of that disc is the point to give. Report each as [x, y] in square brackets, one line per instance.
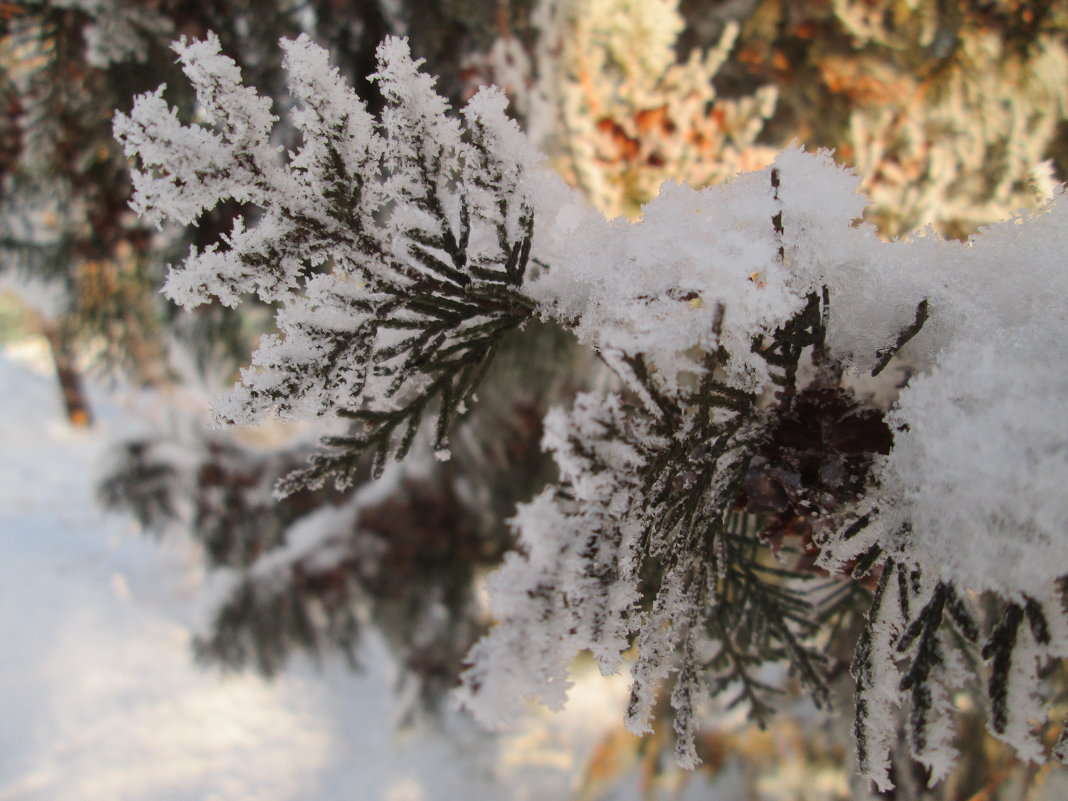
[396, 247]
[921, 645]
[736, 430]
[643, 543]
[726, 501]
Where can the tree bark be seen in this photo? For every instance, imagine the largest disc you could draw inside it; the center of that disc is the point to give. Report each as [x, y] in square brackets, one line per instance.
[71, 386]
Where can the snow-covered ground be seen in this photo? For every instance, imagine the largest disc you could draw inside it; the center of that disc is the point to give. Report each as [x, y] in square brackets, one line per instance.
[101, 702]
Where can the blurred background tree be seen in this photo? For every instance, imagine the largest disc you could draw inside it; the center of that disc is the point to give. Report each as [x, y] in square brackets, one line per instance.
[954, 111]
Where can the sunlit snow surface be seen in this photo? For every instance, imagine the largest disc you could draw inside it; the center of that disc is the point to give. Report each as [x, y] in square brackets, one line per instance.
[101, 701]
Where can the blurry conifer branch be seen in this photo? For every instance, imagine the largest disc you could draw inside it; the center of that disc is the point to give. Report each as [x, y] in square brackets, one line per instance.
[620, 115]
[951, 112]
[64, 228]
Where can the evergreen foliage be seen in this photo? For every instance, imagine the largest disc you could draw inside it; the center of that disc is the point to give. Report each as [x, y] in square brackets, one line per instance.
[720, 502]
[729, 493]
[620, 115]
[412, 290]
[922, 68]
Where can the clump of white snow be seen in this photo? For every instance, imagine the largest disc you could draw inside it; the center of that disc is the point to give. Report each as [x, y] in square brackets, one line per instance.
[699, 270]
[980, 463]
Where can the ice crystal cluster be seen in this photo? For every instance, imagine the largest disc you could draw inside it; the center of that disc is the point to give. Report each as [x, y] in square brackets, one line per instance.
[400, 248]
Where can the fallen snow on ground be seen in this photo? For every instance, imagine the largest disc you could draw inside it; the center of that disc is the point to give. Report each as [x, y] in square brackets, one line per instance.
[101, 701]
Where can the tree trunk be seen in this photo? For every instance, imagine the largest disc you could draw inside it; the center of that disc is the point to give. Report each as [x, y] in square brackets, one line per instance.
[70, 380]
